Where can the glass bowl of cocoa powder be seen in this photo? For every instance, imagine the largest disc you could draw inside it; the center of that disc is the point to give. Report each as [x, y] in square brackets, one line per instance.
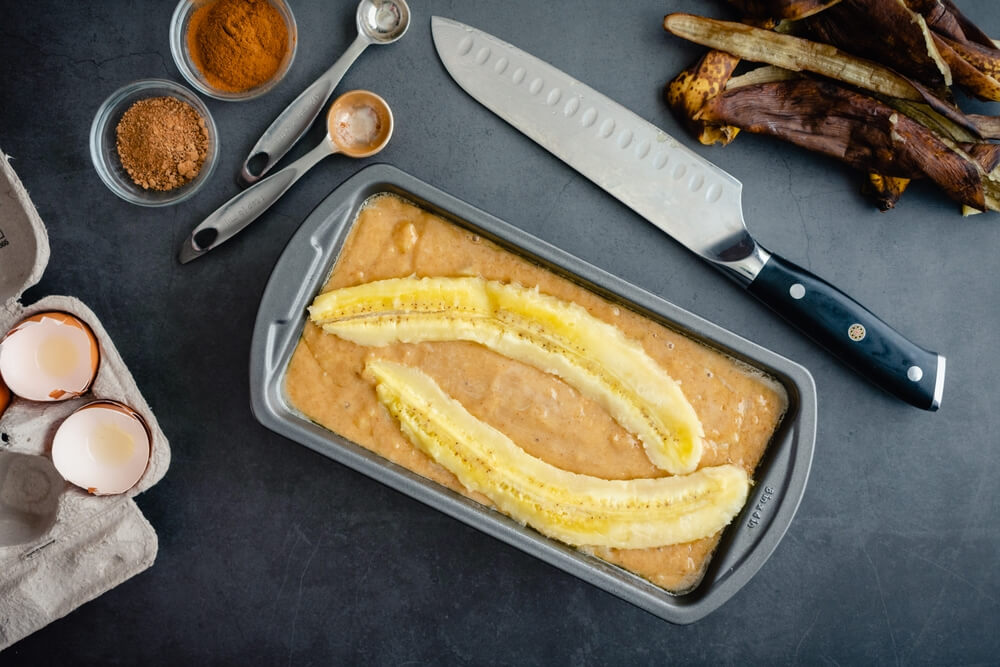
[154, 143]
[233, 50]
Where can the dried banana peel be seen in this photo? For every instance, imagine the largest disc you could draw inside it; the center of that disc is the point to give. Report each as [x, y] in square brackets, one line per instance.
[898, 131]
[697, 84]
[974, 71]
[791, 10]
[884, 31]
[886, 190]
[802, 55]
[945, 19]
[576, 509]
[856, 129]
[523, 324]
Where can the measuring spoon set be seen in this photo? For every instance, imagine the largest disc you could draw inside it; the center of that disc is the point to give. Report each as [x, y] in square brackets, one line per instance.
[359, 124]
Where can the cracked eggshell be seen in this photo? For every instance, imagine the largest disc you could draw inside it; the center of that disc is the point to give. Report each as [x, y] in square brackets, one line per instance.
[50, 356]
[103, 447]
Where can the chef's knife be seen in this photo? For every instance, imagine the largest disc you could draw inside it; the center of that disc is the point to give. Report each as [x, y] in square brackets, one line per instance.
[683, 194]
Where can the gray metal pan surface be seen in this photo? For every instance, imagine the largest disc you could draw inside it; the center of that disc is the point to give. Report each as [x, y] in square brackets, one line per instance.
[306, 263]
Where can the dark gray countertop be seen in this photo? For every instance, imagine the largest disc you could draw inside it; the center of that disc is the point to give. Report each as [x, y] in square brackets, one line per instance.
[270, 553]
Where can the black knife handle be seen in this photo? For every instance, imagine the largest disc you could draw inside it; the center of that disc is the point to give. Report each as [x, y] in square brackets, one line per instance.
[851, 332]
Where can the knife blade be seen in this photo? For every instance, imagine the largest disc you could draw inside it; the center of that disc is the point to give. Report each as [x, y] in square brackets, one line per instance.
[685, 195]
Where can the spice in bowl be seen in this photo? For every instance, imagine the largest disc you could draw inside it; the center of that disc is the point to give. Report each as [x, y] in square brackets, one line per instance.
[237, 45]
[162, 143]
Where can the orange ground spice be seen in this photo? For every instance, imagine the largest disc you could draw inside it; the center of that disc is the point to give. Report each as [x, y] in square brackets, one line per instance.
[237, 44]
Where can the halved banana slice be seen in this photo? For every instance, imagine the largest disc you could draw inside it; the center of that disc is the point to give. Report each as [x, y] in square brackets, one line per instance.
[553, 335]
[576, 509]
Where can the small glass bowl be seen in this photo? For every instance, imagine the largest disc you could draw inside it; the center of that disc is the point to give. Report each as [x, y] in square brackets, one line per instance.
[104, 142]
[182, 56]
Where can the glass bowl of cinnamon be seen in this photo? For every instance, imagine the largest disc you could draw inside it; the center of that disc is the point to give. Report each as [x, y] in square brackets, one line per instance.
[153, 142]
[233, 50]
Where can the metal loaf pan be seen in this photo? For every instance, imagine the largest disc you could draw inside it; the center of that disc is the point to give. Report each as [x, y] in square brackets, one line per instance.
[304, 267]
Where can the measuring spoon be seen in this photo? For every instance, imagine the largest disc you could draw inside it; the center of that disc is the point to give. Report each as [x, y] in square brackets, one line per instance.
[359, 124]
[379, 22]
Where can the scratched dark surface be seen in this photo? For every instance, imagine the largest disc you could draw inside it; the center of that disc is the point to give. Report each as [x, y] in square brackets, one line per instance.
[271, 554]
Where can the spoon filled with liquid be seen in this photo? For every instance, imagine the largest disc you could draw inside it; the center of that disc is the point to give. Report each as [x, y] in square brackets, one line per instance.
[359, 124]
[378, 22]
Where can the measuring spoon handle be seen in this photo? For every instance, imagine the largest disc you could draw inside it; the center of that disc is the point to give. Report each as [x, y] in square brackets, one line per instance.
[298, 116]
[236, 214]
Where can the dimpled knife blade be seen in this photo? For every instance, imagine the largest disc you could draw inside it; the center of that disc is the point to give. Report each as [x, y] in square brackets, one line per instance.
[686, 196]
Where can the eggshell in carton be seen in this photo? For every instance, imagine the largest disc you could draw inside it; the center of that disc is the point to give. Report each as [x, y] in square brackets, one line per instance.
[59, 545]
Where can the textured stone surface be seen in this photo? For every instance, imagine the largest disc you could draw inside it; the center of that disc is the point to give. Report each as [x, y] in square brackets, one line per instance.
[270, 553]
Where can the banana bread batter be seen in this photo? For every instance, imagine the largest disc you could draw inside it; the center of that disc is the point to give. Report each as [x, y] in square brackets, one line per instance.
[739, 408]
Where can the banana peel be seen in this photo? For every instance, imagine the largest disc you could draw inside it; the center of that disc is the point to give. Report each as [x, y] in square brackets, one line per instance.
[884, 31]
[886, 124]
[856, 129]
[973, 66]
[789, 10]
[693, 87]
[802, 55]
[885, 190]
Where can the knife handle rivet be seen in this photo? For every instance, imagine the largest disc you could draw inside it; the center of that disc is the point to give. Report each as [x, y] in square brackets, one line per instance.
[857, 332]
[914, 373]
[797, 291]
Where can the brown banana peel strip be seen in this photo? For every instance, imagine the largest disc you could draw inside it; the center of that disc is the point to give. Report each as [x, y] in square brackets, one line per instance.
[988, 127]
[946, 19]
[884, 31]
[986, 60]
[932, 120]
[791, 10]
[973, 67]
[987, 156]
[855, 129]
[971, 54]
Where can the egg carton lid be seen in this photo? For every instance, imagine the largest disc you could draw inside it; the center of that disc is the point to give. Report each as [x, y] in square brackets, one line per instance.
[24, 243]
[93, 543]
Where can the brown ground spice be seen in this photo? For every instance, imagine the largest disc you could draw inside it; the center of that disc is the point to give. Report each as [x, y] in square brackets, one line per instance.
[162, 142]
[237, 44]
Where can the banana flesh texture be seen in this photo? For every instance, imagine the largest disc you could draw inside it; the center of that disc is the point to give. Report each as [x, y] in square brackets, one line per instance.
[553, 335]
[576, 509]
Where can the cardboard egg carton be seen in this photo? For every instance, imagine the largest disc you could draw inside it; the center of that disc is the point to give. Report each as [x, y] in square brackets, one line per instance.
[59, 545]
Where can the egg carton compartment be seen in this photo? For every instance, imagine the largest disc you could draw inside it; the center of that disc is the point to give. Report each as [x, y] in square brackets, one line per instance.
[27, 427]
[60, 546]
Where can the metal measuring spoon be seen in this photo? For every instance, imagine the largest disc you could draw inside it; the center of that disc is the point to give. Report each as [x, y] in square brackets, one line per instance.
[379, 22]
[359, 124]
